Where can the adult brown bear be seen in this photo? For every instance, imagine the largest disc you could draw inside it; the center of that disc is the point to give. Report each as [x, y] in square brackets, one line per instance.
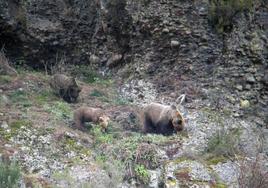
[162, 119]
[66, 87]
[89, 114]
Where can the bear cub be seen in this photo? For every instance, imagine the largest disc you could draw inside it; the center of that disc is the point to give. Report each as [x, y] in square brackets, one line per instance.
[89, 114]
[162, 119]
[65, 87]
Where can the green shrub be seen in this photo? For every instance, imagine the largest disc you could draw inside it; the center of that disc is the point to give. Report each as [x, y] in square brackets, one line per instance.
[9, 175]
[86, 73]
[222, 12]
[142, 174]
[100, 137]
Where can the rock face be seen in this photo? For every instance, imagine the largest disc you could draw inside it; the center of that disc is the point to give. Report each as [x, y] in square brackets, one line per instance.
[39, 31]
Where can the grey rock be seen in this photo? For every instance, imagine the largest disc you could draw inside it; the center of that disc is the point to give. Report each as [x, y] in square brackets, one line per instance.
[239, 87]
[165, 30]
[244, 104]
[248, 86]
[250, 79]
[174, 43]
[4, 125]
[94, 59]
[4, 100]
[154, 178]
[114, 60]
[228, 173]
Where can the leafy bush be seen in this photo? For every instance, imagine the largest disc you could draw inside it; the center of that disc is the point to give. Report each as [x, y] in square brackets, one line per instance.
[222, 12]
[9, 175]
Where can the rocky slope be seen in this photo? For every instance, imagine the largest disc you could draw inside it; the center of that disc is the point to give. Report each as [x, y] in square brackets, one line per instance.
[150, 51]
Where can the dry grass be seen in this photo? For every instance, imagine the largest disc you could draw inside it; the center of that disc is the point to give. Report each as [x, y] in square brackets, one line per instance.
[253, 174]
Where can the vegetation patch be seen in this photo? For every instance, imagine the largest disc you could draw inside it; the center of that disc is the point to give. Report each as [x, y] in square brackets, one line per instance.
[14, 128]
[223, 12]
[96, 93]
[219, 185]
[43, 96]
[32, 180]
[64, 176]
[100, 137]
[60, 110]
[89, 75]
[20, 97]
[253, 173]
[9, 175]
[183, 174]
[142, 174]
[70, 144]
[5, 79]
[224, 143]
[214, 160]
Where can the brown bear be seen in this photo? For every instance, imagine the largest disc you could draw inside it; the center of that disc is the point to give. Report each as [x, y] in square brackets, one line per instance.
[162, 119]
[89, 114]
[66, 87]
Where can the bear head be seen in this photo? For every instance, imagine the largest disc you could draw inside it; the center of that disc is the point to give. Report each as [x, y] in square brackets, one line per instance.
[104, 122]
[177, 119]
[73, 90]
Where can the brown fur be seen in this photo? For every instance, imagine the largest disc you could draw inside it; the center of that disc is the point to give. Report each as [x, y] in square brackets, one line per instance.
[89, 114]
[66, 87]
[162, 119]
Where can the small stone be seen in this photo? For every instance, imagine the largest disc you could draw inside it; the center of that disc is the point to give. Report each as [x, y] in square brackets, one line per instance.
[4, 125]
[250, 79]
[173, 95]
[114, 60]
[244, 103]
[174, 43]
[259, 121]
[165, 30]
[248, 86]
[239, 87]
[236, 114]
[69, 135]
[188, 32]
[165, 22]
[94, 59]
[231, 99]
[55, 43]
